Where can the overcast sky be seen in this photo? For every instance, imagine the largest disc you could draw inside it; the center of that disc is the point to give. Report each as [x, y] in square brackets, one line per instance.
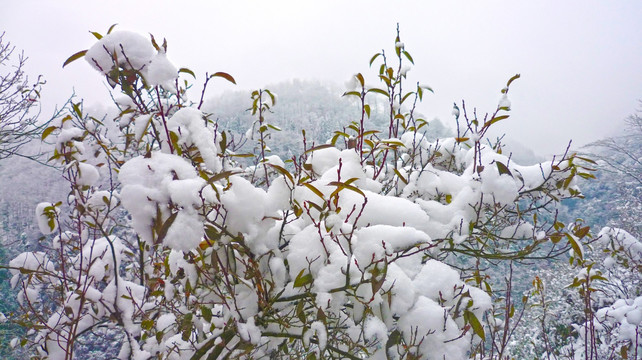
[580, 61]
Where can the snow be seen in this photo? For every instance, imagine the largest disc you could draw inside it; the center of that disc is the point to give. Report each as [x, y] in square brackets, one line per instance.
[369, 250]
[189, 123]
[317, 328]
[161, 72]
[375, 242]
[66, 135]
[124, 48]
[249, 331]
[46, 217]
[504, 102]
[246, 207]
[149, 184]
[130, 50]
[375, 329]
[87, 174]
[615, 238]
[436, 335]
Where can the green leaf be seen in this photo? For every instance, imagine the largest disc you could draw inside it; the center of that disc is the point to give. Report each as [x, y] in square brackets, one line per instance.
[299, 311]
[74, 57]
[361, 80]
[242, 155]
[341, 185]
[211, 233]
[225, 76]
[624, 352]
[378, 91]
[173, 138]
[47, 132]
[476, 325]
[224, 174]
[515, 77]
[187, 71]
[503, 169]
[406, 96]
[366, 107]
[147, 324]
[111, 28]
[386, 79]
[314, 190]
[283, 172]
[393, 142]
[374, 58]
[393, 339]
[154, 43]
[302, 280]
[403, 179]
[496, 119]
[586, 159]
[272, 97]
[96, 35]
[207, 313]
[353, 93]
[582, 232]
[223, 142]
[76, 108]
[315, 148]
[185, 326]
[407, 54]
[576, 247]
[166, 225]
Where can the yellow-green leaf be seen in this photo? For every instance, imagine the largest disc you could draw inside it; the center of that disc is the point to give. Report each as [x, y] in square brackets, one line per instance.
[341, 185]
[283, 172]
[582, 232]
[47, 132]
[315, 148]
[111, 28]
[225, 76]
[408, 57]
[314, 190]
[515, 77]
[360, 78]
[503, 169]
[74, 57]
[187, 71]
[374, 58]
[475, 324]
[378, 91]
[302, 280]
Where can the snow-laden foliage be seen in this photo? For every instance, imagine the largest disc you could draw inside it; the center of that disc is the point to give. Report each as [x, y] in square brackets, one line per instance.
[19, 102]
[374, 245]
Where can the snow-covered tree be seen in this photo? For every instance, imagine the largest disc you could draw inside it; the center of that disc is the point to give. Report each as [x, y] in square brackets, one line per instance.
[377, 244]
[19, 101]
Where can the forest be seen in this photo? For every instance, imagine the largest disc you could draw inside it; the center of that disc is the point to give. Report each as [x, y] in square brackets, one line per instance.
[304, 220]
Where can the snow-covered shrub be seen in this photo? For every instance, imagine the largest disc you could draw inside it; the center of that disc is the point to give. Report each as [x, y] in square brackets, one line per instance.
[370, 246]
[613, 305]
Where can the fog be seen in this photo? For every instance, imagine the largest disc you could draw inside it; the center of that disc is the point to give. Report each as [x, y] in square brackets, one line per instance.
[579, 60]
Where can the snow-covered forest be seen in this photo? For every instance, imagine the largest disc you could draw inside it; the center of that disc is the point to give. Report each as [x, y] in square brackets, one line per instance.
[307, 220]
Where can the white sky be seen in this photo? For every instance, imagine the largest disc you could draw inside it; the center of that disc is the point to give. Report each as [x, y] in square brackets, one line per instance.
[580, 61]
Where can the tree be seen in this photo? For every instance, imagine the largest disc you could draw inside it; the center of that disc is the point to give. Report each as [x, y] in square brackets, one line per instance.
[19, 102]
[597, 315]
[377, 244]
[621, 158]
